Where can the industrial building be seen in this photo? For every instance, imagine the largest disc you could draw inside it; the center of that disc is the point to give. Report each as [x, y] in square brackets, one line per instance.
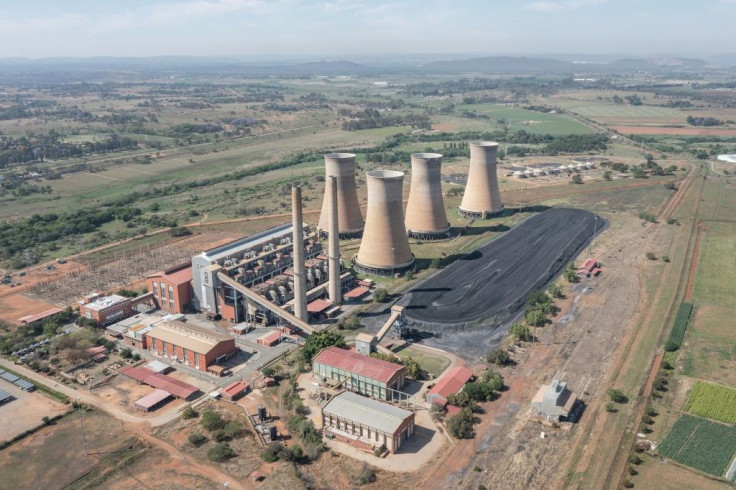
[384, 249]
[358, 372]
[190, 345]
[554, 401]
[28, 319]
[172, 288]
[451, 383]
[425, 211]
[105, 309]
[481, 198]
[366, 423]
[350, 221]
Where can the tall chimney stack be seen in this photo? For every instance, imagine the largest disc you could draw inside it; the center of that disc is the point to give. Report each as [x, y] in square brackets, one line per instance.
[425, 212]
[350, 221]
[384, 249]
[300, 279]
[481, 198]
[335, 288]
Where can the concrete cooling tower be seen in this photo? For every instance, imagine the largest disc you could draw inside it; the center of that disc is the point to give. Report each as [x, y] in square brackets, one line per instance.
[425, 212]
[481, 198]
[384, 249]
[350, 221]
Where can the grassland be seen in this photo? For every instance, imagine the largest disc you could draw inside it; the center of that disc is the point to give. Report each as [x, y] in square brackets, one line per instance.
[434, 364]
[712, 401]
[700, 443]
[517, 119]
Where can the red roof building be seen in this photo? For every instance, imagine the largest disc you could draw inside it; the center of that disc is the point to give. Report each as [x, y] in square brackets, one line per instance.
[318, 306]
[356, 293]
[164, 382]
[40, 316]
[270, 339]
[451, 383]
[235, 390]
[360, 373]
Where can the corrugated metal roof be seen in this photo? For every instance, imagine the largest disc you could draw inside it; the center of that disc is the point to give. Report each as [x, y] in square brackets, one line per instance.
[360, 364]
[235, 388]
[357, 292]
[190, 337]
[151, 399]
[41, 316]
[172, 385]
[367, 411]
[318, 306]
[452, 382]
[270, 337]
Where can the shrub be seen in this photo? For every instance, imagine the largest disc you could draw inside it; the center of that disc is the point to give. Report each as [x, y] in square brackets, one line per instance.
[576, 179]
[665, 258]
[628, 483]
[535, 318]
[221, 452]
[617, 396]
[634, 459]
[522, 332]
[196, 439]
[648, 217]
[219, 435]
[632, 471]
[268, 371]
[409, 275]
[555, 290]
[380, 295]
[652, 412]
[271, 453]
[366, 476]
[651, 256]
[610, 407]
[498, 356]
[377, 452]
[671, 221]
[435, 264]
[126, 353]
[212, 420]
[461, 425]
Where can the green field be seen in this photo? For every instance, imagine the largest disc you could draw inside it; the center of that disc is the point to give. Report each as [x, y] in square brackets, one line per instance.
[434, 364]
[529, 121]
[714, 283]
[700, 443]
[712, 401]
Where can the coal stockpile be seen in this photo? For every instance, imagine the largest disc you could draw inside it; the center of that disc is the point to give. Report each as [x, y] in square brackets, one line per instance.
[490, 285]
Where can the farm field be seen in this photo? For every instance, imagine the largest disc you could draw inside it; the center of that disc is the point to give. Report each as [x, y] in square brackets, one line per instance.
[680, 131]
[700, 443]
[677, 334]
[655, 472]
[530, 121]
[712, 401]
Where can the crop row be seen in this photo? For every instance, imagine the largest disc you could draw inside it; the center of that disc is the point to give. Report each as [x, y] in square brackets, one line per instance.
[700, 443]
[712, 401]
[678, 330]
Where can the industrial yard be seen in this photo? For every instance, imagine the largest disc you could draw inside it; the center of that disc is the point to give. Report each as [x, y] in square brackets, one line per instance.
[309, 304]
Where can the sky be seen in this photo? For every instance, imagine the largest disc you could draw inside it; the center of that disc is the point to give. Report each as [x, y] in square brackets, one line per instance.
[336, 28]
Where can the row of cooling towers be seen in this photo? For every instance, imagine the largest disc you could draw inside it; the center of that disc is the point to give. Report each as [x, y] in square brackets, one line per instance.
[384, 248]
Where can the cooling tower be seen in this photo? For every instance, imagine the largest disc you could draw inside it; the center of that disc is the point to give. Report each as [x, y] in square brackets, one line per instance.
[481, 198]
[384, 249]
[425, 211]
[335, 288]
[350, 221]
[300, 278]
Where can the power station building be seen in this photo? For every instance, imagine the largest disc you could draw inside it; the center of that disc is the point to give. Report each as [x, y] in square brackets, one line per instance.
[360, 373]
[481, 198]
[172, 288]
[425, 211]
[365, 423]
[384, 249]
[350, 221]
[193, 346]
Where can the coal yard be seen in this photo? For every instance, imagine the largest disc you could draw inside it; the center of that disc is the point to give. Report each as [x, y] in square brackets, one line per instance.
[490, 285]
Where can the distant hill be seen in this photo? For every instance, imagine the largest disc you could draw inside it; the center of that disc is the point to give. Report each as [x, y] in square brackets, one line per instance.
[500, 64]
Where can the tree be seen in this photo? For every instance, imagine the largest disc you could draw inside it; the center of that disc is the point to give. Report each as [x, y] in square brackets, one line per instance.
[576, 179]
[212, 420]
[318, 341]
[196, 439]
[409, 275]
[555, 290]
[651, 256]
[221, 452]
[366, 476]
[460, 426]
[522, 332]
[535, 318]
[617, 396]
[498, 356]
[413, 369]
[380, 295]
[607, 175]
[189, 413]
[436, 263]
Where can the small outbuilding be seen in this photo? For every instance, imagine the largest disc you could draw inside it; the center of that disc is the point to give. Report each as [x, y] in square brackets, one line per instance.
[235, 390]
[451, 383]
[554, 401]
[269, 339]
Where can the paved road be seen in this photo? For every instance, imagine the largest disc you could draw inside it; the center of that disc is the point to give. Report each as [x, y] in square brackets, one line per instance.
[490, 284]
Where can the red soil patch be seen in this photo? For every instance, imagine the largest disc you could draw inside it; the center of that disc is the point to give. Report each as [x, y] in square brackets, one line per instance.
[15, 306]
[695, 131]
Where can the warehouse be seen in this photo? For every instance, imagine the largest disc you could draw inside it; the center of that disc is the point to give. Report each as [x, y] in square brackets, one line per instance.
[359, 373]
[366, 423]
[105, 309]
[190, 345]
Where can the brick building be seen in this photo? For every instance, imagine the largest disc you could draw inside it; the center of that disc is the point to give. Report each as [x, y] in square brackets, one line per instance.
[190, 345]
[359, 373]
[172, 288]
[105, 309]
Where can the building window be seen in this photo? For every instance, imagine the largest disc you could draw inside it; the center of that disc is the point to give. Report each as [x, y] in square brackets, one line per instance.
[155, 289]
[163, 292]
[196, 360]
[186, 358]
